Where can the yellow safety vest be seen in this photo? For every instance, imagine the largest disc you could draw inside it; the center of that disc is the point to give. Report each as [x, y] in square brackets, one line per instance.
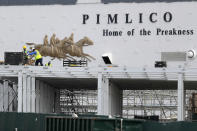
[25, 54]
[48, 64]
[37, 56]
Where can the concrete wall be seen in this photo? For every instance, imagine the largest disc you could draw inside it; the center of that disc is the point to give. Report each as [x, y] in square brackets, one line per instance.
[20, 24]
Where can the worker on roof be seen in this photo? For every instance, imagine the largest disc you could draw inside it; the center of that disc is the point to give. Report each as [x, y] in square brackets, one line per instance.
[25, 55]
[48, 64]
[38, 57]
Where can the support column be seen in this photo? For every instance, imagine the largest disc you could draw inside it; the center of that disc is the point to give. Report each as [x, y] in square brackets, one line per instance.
[33, 94]
[37, 96]
[20, 92]
[103, 95]
[181, 100]
[109, 97]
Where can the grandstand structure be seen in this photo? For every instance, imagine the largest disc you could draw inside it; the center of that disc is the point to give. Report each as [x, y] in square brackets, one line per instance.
[150, 46]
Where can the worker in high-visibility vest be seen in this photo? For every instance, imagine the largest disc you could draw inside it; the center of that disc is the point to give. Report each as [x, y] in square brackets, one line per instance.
[25, 55]
[48, 64]
[37, 56]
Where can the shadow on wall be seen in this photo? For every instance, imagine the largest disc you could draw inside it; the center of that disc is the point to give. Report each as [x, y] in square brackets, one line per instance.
[142, 1]
[36, 2]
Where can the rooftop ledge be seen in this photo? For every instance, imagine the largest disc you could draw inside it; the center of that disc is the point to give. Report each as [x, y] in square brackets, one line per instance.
[189, 74]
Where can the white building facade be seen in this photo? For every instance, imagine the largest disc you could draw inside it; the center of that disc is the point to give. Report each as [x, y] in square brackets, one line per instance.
[134, 34]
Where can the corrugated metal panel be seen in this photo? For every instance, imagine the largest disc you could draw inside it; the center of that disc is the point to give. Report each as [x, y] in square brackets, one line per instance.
[173, 56]
[68, 124]
[36, 2]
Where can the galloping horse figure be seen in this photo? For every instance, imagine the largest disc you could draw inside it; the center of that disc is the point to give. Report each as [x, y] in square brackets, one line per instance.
[77, 48]
[65, 48]
[52, 51]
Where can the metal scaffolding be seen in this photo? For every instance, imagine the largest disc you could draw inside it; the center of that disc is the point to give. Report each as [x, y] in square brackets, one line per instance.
[149, 103]
[162, 103]
[78, 101]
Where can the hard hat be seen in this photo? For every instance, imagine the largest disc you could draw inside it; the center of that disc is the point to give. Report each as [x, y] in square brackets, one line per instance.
[24, 47]
[33, 48]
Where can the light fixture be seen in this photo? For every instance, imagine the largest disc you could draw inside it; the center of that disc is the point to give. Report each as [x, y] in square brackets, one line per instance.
[191, 54]
[107, 58]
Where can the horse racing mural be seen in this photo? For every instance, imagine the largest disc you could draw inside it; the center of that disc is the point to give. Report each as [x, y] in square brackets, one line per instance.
[63, 49]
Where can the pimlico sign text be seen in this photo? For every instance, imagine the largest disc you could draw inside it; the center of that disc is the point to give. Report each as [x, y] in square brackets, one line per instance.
[154, 17]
